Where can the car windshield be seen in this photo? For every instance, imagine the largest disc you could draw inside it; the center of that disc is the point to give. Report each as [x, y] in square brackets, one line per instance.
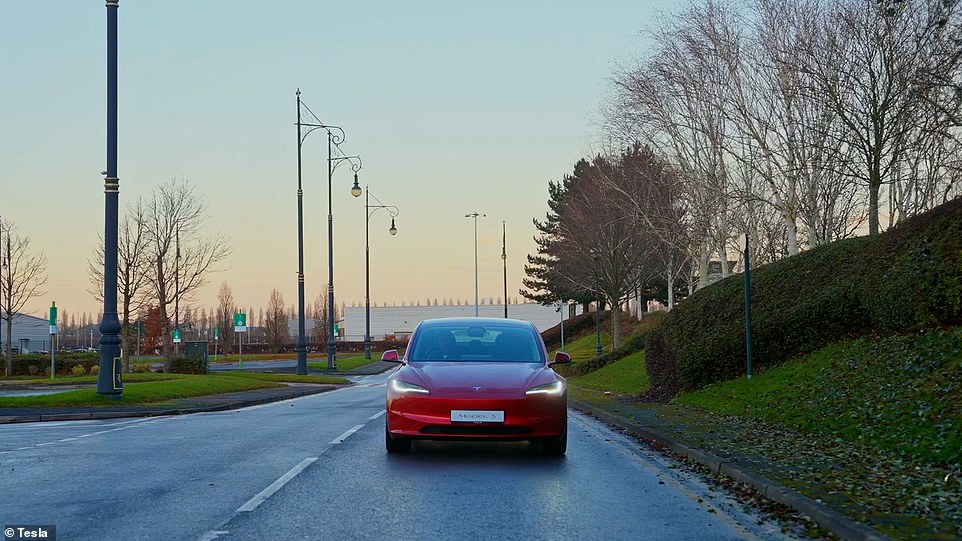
[474, 342]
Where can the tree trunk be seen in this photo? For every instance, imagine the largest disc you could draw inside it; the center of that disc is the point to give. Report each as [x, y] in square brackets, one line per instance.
[873, 190]
[703, 267]
[9, 351]
[671, 288]
[615, 327]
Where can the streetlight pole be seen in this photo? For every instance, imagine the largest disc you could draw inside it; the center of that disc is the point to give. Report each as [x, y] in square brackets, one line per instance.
[332, 163]
[392, 210]
[475, 215]
[335, 136]
[108, 380]
[504, 260]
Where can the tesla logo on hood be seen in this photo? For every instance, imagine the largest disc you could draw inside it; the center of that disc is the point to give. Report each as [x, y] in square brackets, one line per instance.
[477, 389]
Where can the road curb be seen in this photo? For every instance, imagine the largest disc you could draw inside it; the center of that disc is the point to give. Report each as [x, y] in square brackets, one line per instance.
[823, 515]
[89, 415]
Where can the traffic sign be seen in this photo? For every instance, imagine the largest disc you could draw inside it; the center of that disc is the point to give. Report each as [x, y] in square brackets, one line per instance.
[240, 322]
[53, 318]
[176, 336]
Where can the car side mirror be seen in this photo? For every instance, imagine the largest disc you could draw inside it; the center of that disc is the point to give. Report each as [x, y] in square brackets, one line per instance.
[561, 358]
[391, 356]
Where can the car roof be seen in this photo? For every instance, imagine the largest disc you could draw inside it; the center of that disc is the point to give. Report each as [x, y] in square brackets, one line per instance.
[518, 323]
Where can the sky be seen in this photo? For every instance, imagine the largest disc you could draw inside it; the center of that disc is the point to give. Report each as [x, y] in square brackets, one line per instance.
[454, 107]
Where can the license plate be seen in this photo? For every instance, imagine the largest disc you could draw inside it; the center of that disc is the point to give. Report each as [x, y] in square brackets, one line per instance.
[477, 416]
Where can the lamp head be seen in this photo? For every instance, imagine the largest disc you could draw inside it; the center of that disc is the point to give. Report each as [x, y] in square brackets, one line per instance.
[393, 230]
[356, 189]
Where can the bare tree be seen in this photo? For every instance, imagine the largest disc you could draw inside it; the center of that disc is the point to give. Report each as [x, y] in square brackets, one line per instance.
[224, 318]
[318, 313]
[601, 249]
[132, 274]
[276, 322]
[883, 66]
[22, 277]
[180, 256]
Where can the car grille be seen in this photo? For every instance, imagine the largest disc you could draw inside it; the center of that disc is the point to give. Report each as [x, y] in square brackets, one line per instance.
[477, 430]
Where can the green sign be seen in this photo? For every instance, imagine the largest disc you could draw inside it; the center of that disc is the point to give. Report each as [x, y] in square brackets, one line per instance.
[216, 333]
[53, 318]
[176, 336]
[336, 330]
[240, 322]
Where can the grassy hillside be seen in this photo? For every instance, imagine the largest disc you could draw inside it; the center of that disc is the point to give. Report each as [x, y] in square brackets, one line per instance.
[901, 393]
[907, 279]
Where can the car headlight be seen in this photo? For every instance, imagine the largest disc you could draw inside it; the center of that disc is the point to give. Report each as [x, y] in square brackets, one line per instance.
[552, 389]
[403, 387]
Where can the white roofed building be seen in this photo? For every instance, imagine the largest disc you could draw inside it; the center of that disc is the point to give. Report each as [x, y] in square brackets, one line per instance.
[399, 321]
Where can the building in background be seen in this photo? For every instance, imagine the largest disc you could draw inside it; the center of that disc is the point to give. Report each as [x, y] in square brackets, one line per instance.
[399, 321]
[31, 334]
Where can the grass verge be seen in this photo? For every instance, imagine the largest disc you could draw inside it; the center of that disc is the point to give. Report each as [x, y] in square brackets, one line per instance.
[901, 394]
[176, 386]
[346, 363]
[626, 376]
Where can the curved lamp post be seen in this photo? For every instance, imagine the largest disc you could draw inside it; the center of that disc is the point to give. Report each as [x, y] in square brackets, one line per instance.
[335, 136]
[475, 215]
[370, 209]
[332, 163]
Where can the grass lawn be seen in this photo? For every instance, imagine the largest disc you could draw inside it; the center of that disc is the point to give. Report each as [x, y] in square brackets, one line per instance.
[347, 362]
[900, 393]
[73, 380]
[626, 376]
[585, 347]
[233, 357]
[159, 391]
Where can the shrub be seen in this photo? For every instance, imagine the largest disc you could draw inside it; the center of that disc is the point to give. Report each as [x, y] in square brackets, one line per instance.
[185, 365]
[78, 370]
[95, 370]
[139, 368]
[33, 370]
[906, 279]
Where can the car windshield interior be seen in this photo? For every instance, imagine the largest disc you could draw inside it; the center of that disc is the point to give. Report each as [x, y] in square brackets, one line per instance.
[476, 343]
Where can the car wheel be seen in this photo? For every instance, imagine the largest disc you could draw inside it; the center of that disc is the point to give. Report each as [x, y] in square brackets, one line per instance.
[395, 445]
[555, 446]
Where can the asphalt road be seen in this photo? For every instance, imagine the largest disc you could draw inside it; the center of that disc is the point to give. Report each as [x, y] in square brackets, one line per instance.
[315, 468]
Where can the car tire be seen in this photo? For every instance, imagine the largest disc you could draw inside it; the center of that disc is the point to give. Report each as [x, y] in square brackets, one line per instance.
[555, 446]
[395, 445]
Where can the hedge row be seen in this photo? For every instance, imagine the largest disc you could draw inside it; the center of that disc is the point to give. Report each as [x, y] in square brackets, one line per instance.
[34, 364]
[906, 279]
[572, 327]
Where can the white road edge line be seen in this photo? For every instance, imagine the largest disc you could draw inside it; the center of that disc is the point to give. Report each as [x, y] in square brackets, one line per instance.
[376, 415]
[213, 534]
[262, 496]
[340, 439]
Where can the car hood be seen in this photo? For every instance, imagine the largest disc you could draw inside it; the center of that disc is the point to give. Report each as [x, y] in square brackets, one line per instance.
[493, 378]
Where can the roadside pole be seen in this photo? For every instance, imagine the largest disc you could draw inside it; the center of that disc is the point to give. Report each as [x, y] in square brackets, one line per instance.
[240, 326]
[53, 335]
[748, 308]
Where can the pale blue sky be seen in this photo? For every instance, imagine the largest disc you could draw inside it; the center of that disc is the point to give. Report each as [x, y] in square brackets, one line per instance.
[455, 107]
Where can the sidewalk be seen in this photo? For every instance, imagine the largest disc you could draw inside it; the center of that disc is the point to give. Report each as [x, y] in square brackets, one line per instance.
[853, 491]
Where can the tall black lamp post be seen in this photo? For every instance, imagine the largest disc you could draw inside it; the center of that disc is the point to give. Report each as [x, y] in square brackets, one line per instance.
[370, 209]
[335, 136]
[109, 381]
[332, 163]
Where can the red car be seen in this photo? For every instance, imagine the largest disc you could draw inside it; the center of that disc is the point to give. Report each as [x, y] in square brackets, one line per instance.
[476, 379]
